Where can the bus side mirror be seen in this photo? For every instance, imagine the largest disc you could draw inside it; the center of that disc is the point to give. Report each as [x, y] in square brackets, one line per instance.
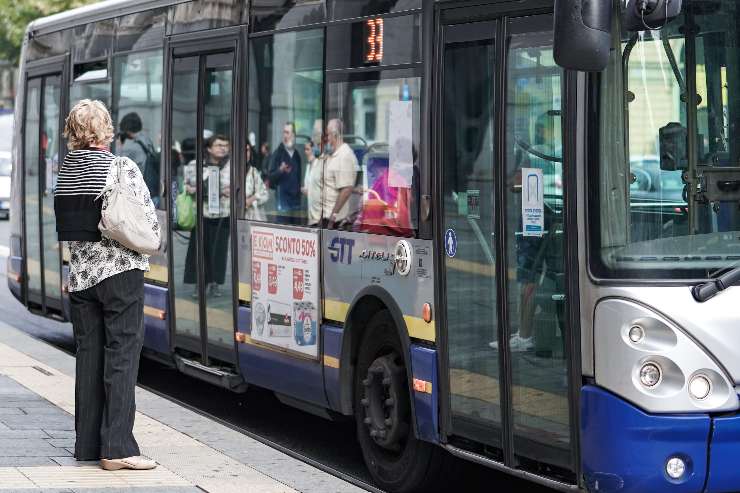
[582, 34]
[643, 15]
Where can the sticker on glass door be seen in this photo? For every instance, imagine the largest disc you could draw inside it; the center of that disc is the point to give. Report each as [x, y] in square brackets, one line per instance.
[533, 202]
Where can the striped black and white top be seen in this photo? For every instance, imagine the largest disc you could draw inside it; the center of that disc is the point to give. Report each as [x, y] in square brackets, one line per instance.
[93, 258]
[83, 172]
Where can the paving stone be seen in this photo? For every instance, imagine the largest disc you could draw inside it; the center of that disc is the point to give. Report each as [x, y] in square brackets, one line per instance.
[61, 442]
[61, 433]
[27, 447]
[16, 401]
[71, 461]
[9, 411]
[37, 422]
[149, 489]
[43, 490]
[50, 411]
[8, 433]
[25, 462]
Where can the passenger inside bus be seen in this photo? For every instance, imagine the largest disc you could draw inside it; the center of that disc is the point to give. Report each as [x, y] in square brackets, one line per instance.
[312, 182]
[340, 173]
[284, 176]
[255, 192]
[215, 194]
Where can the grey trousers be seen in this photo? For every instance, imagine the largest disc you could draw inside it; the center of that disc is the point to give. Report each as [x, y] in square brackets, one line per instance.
[108, 323]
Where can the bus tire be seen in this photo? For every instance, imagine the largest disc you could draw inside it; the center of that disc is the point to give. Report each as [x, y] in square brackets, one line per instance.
[396, 459]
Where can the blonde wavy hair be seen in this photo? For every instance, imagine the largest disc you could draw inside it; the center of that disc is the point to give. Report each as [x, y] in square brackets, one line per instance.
[88, 124]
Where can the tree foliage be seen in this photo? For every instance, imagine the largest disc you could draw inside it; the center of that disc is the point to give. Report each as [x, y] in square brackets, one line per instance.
[16, 14]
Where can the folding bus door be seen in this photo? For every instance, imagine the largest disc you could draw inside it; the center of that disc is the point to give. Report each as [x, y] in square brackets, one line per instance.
[42, 147]
[504, 242]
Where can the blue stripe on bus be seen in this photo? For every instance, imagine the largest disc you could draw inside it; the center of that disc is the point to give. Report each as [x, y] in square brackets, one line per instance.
[424, 367]
[723, 453]
[244, 320]
[156, 331]
[625, 449]
[333, 350]
[297, 377]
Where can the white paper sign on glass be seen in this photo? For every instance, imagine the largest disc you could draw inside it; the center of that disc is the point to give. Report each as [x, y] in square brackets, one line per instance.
[214, 192]
[285, 288]
[401, 137]
[533, 202]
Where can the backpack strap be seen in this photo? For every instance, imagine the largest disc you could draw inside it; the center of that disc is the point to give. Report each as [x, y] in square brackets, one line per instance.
[145, 148]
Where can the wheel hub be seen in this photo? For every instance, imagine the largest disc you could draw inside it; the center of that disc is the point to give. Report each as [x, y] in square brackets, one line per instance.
[385, 402]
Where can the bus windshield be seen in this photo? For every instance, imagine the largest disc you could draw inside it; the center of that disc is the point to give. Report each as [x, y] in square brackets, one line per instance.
[668, 173]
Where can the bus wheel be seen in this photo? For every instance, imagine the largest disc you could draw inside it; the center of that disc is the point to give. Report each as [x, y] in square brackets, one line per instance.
[397, 461]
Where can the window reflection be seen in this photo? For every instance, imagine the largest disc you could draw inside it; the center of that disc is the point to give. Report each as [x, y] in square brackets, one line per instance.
[285, 107]
[203, 14]
[662, 211]
[346, 9]
[93, 40]
[536, 248]
[282, 14]
[141, 30]
[378, 124]
[137, 111]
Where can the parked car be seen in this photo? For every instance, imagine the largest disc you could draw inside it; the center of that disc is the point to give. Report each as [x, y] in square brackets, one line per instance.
[656, 200]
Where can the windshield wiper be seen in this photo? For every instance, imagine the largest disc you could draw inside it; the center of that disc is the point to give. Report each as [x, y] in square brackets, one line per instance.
[707, 290]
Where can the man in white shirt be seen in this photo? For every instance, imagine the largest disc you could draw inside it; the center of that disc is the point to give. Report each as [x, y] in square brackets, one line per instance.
[340, 173]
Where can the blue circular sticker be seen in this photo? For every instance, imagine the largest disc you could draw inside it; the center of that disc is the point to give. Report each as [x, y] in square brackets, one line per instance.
[450, 243]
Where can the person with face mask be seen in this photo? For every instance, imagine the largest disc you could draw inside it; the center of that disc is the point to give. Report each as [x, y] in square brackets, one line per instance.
[340, 173]
[285, 177]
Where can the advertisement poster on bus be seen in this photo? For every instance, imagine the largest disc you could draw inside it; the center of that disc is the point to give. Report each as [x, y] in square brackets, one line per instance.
[285, 288]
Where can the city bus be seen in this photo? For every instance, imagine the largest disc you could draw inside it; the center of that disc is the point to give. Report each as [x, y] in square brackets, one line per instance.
[506, 231]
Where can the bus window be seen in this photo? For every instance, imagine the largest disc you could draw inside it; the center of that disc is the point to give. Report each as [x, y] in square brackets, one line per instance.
[286, 86]
[348, 9]
[373, 127]
[203, 14]
[141, 30]
[659, 214]
[48, 45]
[93, 41]
[291, 13]
[536, 246]
[90, 82]
[137, 114]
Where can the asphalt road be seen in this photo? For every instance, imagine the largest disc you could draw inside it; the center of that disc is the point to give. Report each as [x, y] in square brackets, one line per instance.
[257, 411]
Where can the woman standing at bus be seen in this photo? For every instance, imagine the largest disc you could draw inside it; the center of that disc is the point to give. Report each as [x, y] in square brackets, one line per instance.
[106, 291]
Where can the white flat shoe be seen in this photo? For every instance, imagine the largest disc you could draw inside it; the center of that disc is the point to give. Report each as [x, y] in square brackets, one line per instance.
[138, 463]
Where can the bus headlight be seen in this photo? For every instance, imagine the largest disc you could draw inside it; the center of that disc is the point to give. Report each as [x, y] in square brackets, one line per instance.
[700, 387]
[648, 360]
[650, 374]
[636, 334]
[675, 467]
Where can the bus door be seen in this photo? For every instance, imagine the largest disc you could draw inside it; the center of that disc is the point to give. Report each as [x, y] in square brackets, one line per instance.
[41, 155]
[201, 136]
[502, 183]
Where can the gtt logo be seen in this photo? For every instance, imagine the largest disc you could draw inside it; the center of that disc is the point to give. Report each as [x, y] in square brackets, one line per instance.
[341, 250]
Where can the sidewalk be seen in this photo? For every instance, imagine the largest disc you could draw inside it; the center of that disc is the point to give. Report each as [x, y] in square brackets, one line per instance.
[195, 454]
